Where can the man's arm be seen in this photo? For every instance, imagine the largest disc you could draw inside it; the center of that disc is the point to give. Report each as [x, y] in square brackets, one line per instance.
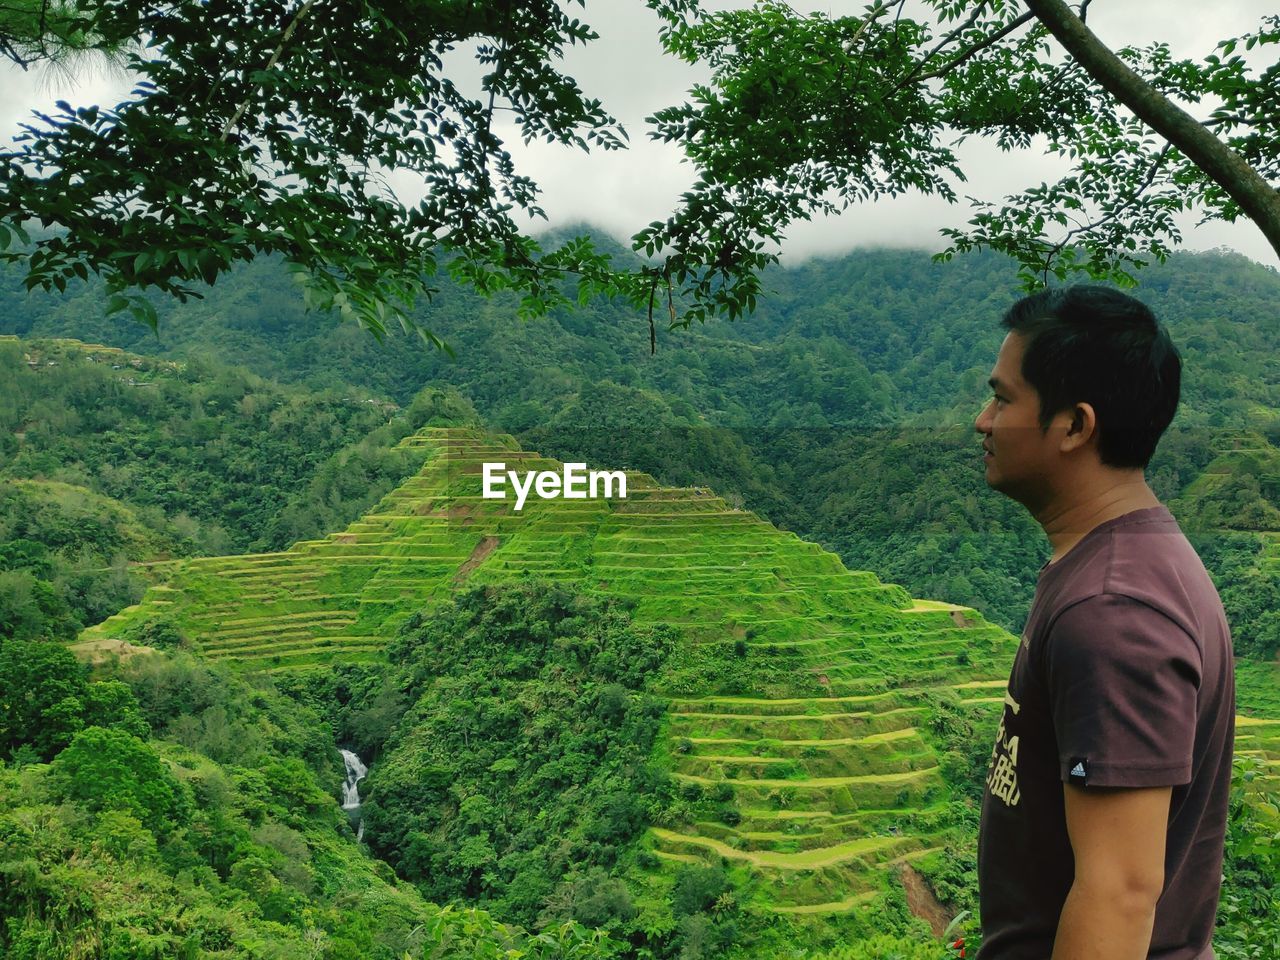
[1118, 838]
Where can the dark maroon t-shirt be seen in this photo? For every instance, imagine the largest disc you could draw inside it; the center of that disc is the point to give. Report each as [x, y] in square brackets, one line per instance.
[1124, 678]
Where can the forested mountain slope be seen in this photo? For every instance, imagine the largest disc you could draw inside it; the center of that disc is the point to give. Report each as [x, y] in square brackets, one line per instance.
[840, 410]
[867, 339]
[109, 458]
[216, 449]
[164, 808]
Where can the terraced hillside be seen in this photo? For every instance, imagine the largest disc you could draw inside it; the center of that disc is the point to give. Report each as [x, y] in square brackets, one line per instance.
[1258, 681]
[824, 742]
[1246, 461]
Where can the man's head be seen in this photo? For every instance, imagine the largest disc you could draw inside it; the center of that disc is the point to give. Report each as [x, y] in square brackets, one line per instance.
[1086, 380]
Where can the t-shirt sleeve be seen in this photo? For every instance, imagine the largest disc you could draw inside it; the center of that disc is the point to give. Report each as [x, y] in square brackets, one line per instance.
[1123, 680]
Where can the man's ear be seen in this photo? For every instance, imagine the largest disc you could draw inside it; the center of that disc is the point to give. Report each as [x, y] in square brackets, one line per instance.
[1082, 427]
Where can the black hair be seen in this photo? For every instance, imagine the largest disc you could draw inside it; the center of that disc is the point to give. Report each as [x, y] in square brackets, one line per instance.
[1091, 344]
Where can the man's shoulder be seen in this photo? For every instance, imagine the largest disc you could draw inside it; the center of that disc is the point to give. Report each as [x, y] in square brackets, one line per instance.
[1160, 568]
[1149, 562]
[1094, 613]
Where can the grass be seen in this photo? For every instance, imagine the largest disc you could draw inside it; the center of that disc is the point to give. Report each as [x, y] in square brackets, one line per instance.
[806, 860]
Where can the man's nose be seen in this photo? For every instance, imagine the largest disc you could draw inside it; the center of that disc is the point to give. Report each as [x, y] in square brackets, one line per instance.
[980, 421]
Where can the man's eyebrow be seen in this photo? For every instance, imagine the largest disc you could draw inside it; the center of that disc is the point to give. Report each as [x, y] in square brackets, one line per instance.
[994, 383]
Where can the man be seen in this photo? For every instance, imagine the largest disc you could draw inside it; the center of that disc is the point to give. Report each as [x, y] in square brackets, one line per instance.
[1104, 816]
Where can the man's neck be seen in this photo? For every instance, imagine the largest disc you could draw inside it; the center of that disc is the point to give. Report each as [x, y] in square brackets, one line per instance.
[1068, 519]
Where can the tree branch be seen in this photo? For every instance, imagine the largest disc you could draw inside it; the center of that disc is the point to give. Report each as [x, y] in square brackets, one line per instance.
[876, 13]
[1248, 188]
[8, 50]
[1236, 120]
[275, 58]
[962, 56]
[952, 34]
[1129, 201]
[979, 47]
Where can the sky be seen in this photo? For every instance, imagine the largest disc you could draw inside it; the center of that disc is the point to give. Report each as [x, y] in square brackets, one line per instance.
[620, 192]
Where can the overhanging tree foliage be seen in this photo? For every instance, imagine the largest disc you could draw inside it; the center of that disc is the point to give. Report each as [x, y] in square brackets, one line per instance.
[268, 126]
[807, 113]
[49, 32]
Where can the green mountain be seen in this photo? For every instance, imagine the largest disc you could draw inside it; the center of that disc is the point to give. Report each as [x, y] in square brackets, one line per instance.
[214, 454]
[872, 338]
[821, 728]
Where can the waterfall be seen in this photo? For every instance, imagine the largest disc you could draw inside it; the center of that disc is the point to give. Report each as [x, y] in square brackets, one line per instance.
[350, 790]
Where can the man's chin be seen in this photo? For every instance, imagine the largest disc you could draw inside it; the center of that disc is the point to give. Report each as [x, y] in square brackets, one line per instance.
[1019, 493]
[994, 480]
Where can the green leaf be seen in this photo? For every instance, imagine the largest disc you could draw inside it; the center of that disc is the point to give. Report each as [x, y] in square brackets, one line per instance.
[145, 313]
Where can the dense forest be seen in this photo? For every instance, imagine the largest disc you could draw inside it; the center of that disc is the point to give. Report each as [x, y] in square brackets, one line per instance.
[187, 813]
[841, 410]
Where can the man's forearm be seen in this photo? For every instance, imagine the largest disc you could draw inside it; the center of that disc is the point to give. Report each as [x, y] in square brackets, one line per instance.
[1096, 924]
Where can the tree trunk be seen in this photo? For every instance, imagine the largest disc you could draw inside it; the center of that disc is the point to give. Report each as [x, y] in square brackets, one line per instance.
[1259, 199]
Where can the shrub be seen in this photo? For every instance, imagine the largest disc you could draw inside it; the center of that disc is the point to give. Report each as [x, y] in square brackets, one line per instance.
[722, 792]
[160, 633]
[696, 889]
[105, 769]
[41, 691]
[691, 790]
[1249, 912]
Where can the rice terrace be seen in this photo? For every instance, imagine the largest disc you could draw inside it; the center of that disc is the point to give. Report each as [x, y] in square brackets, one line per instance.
[831, 748]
